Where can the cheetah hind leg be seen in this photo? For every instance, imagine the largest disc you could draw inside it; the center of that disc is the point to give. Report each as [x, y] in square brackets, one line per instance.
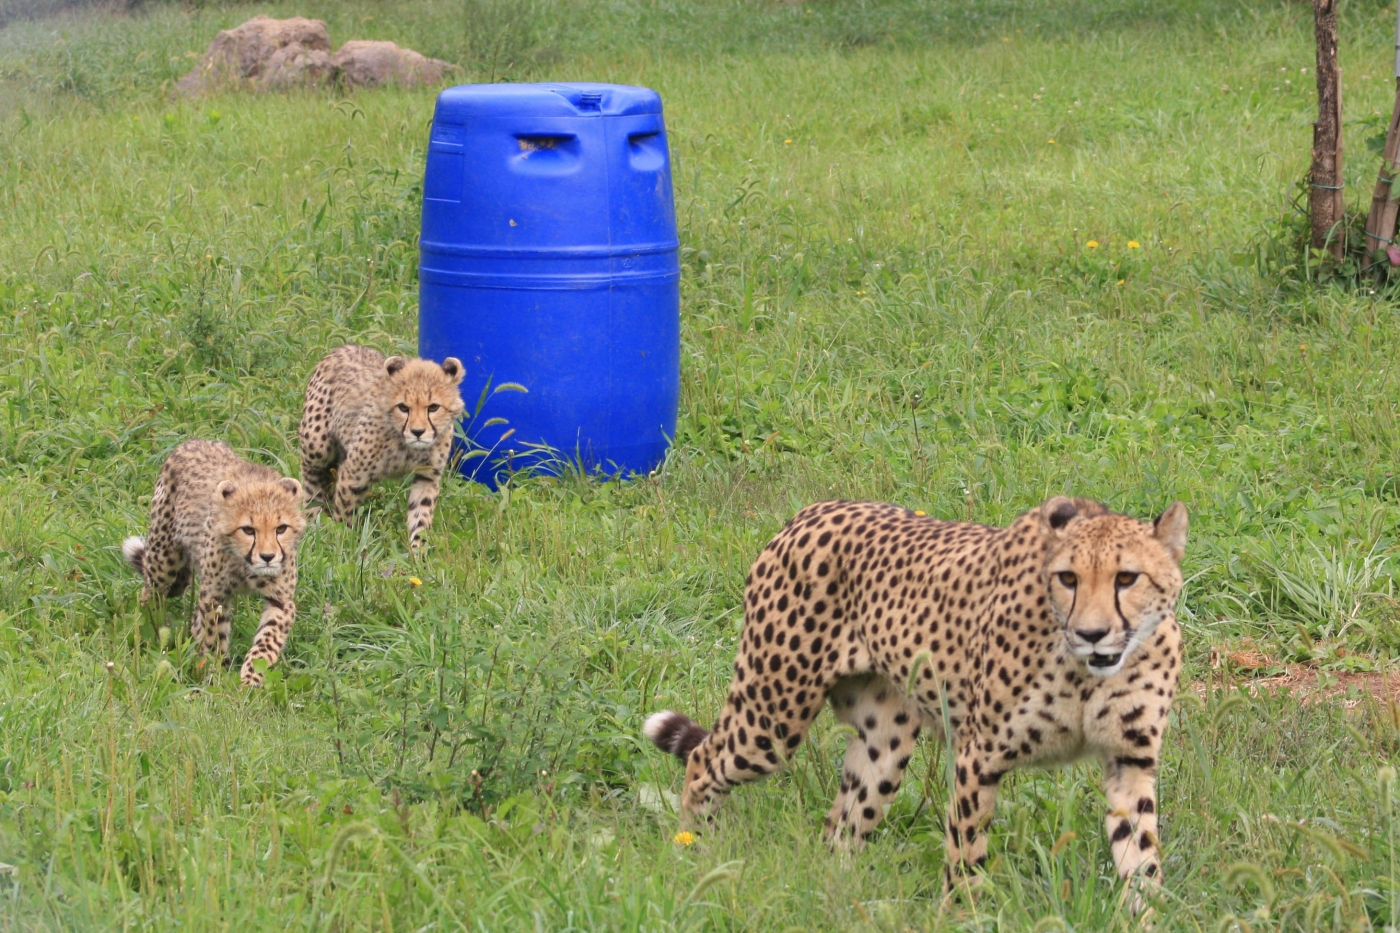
[317, 484]
[319, 450]
[886, 725]
[738, 751]
[318, 475]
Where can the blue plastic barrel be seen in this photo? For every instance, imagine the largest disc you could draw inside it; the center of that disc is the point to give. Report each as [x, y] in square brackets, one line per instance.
[549, 259]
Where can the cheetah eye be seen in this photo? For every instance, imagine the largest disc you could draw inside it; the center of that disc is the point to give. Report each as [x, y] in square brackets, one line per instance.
[282, 529]
[1069, 580]
[402, 407]
[434, 407]
[249, 530]
[1125, 578]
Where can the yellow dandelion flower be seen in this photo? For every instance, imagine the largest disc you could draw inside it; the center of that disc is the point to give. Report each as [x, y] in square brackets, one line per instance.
[208, 255]
[1050, 142]
[1121, 281]
[860, 292]
[1303, 347]
[415, 581]
[1092, 244]
[684, 839]
[1134, 244]
[787, 142]
[920, 512]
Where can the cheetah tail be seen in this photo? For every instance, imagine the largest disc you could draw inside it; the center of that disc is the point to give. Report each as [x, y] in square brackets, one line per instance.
[134, 550]
[674, 733]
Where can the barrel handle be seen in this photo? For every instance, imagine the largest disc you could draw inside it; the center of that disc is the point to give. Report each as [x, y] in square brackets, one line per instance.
[645, 151]
[530, 143]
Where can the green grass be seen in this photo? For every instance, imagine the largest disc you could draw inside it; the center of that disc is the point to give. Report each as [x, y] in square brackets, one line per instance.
[887, 294]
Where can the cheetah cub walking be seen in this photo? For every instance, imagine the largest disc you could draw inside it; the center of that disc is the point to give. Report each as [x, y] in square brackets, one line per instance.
[1047, 641]
[235, 523]
[368, 418]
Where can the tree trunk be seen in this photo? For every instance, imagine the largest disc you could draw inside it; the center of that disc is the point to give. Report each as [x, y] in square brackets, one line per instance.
[1380, 222]
[1325, 196]
[1385, 206]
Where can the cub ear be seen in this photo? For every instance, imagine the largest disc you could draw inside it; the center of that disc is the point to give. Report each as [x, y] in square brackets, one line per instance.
[1057, 513]
[226, 488]
[393, 364]
[1170, 530]
[452, 369]
[292, 486]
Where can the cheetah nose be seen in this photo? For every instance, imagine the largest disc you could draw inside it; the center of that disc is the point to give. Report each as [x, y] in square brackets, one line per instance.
[1093, 637]
[267, 558]
[418, 432]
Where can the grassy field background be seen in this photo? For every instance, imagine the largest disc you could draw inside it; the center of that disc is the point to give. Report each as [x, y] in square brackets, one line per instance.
[889, 292]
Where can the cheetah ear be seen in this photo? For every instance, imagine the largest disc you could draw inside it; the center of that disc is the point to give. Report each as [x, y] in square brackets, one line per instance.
[393, 364]
[1170, 530]
[292, 486]
[452, 369]
[1057, 513]
[226, 488]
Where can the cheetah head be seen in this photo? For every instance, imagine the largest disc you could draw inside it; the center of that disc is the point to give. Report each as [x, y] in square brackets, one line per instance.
[422, 399]
[259, 522]
[1112, 579]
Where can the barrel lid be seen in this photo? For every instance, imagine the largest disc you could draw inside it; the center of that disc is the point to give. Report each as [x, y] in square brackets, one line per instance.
[474, 101]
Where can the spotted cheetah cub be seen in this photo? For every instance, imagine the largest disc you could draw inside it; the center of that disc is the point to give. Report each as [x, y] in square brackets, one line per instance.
[235, 523]
[367, 419]
[1040, 643]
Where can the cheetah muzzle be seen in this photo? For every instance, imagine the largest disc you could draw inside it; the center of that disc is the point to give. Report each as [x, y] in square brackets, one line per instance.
[1049, 640]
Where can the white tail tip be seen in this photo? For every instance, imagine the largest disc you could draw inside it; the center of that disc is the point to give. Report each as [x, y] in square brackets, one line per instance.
[134, 549]
[656, 725]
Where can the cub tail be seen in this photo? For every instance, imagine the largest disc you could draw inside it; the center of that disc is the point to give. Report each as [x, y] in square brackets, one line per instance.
[674, 733]
[134, 550]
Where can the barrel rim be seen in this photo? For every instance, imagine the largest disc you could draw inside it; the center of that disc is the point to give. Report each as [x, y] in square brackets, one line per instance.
[620, 251]
[537, 282]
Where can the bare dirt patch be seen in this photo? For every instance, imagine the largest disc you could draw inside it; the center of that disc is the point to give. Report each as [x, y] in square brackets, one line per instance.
[1246, 667]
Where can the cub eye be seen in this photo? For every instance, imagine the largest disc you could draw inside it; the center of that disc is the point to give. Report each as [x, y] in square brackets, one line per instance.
[1125, 578]
[249, 530]
[282, 529]
[1069, 580]
[402, 407]
[434, 407]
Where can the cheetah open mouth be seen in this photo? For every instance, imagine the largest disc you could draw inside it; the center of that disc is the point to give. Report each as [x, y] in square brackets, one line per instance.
[1104, 660]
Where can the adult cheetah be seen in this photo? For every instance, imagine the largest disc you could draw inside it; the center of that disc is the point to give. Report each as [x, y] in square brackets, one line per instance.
[1049, 640]
[368, 418]
[237, 524]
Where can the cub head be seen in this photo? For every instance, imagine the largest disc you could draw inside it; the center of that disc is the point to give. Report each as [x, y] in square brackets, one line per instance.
[422, 399]
[260, 523]
[1112, 579]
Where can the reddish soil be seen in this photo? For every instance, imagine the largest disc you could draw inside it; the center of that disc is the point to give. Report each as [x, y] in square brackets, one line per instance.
[1237, 667]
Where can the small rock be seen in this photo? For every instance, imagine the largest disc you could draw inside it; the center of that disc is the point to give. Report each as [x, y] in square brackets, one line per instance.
[361, 63]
